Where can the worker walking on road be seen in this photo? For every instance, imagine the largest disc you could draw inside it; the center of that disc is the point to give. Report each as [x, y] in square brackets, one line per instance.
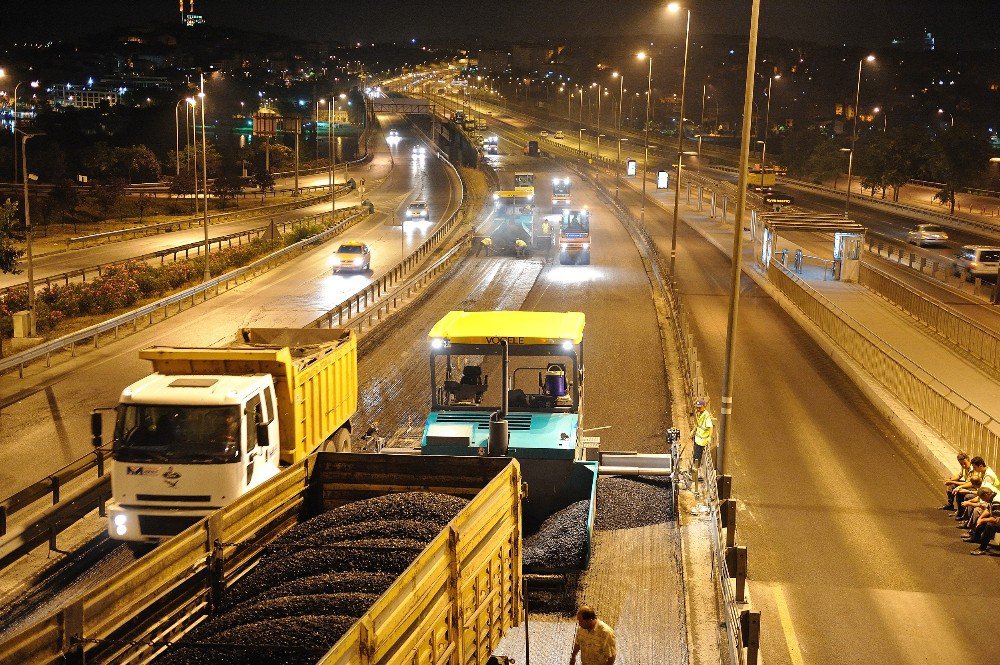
[701, 435]
[595, 641]
[520, 248]
[485, 244]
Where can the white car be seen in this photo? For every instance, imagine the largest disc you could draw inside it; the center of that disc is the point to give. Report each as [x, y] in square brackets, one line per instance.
[977, 261]
[927, 234]
[352, 255]
[544, 133]
[417, 210]
[393, 133]
[418, 151]
[560, 135]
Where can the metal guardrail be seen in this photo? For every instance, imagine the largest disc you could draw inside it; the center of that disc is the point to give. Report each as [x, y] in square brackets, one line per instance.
[46, 349]
[173, 252]
[218, 218]
[941, 406]
[940, 268]
[979, 341]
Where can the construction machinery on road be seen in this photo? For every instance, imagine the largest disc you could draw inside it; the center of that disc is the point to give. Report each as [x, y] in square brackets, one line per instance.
[574, 237]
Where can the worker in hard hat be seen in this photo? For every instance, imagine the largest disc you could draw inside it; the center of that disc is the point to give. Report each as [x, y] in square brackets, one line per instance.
[701, 435]
[485, 244]
[520, 248]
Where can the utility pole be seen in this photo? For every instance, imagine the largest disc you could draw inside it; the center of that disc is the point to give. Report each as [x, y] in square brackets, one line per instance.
[204, 176]
[726, 407]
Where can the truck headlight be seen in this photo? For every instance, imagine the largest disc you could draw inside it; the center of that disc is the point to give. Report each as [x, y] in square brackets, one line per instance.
[567, 345]
[409, 213]
[563, 245]
[586, 245]
[336, 261]
[358, 261]
[121, 529]
[120, 520]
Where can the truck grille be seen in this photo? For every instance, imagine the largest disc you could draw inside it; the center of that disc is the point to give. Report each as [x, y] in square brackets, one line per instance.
[185, 498]
[165, 525]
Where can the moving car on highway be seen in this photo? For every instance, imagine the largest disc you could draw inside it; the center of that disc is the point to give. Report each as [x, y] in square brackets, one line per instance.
[977, 261]
[352, 255]
[544, 133]
[417, 210]
[560, 135]
[926, 234]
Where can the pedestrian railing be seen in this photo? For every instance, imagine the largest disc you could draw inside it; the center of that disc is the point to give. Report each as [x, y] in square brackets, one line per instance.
[981, 342]
[966, 425]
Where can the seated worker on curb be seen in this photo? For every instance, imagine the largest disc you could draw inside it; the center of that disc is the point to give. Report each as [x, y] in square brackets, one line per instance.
[988, 522]
[989, 475]
[968, 499]
[960, 478]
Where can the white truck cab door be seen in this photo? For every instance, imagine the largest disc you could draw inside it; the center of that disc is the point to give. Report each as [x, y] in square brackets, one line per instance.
[254, 455]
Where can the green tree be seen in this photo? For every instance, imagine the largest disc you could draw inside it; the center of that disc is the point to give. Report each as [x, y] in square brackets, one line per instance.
[263, 180]
[797, 147]
[825, 162]
[66, 199]
[109, 196]
[9, 253]
[227, 187]
[136, 163]
[874, 162]
[963, 158]
[189, 156]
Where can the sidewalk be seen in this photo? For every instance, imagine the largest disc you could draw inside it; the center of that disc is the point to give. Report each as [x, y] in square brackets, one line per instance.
[868, 311]
[971, 206]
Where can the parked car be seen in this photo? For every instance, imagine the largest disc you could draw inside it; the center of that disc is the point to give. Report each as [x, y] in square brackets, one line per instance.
[927, 234]
[977, 261]
[352, 255]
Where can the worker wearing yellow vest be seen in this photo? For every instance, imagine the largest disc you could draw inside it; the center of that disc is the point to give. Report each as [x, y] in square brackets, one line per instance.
[485, 244]
[520, 248]
[701, 434]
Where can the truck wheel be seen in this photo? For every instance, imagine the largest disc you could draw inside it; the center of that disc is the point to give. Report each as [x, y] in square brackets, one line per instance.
[340, 442]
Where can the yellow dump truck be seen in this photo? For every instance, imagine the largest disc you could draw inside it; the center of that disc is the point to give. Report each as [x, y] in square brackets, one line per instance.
[449, 600]
[210, 424]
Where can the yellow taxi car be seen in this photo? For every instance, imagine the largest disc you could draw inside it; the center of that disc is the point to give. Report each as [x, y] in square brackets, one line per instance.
[352, 255]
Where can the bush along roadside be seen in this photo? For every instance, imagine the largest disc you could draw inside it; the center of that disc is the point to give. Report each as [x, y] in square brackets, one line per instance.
[123, 285]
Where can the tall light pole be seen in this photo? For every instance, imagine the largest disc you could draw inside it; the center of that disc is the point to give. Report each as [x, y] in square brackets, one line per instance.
[950, 115]
[854, 134]
[645, 159]
[27, 230]
[177, 135]
[13, 120]
[675, 7]
[204, 175]
[767, 122]
[618, 164]
[600, 93]
[726, 406]
[318, 103]
[579, 146]
[621, 99]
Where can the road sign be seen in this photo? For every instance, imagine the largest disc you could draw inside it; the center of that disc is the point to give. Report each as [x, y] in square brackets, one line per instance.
[265, 124]
[662, 180]
[630, 168]
[292, 124]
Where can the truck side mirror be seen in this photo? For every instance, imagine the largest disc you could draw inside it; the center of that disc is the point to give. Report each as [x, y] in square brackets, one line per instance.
[96, 429]
[262, 435]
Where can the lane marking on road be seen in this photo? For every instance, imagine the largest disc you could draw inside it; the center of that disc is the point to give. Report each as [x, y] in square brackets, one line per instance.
[785, 618]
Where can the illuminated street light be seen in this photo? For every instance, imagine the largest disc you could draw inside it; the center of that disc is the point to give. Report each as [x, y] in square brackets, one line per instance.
[13, 121]
[674, 7]
[854, 133]
[942, 112]
[641, 55]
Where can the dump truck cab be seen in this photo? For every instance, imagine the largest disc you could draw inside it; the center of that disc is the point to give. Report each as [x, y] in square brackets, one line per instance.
[210, 424]
[197, 440]
[561, 188]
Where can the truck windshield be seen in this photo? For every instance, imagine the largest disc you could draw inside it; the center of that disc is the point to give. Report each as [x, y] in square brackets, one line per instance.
[178, 434]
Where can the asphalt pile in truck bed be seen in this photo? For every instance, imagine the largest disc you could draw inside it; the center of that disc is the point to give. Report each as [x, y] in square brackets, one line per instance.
[628, 503]
[315, 581]
[560, 542]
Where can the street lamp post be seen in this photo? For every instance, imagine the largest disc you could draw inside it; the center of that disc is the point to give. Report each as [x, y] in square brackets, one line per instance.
[318, 102]
[204, 176]
[331, 133]
[854, 134]
[579, 146]
[675, 7]
[618, 164]
[600, 93]
[726, 406]
[767, 122]
[645, 158]
[27, 231]
[950, 115]
[13, 120]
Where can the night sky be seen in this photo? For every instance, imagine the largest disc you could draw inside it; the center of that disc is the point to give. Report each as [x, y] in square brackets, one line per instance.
[871, 23]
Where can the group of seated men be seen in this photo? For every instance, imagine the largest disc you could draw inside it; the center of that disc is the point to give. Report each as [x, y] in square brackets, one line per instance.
[974, 496]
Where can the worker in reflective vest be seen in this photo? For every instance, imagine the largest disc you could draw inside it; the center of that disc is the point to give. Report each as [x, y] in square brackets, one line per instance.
[485, 244]
[701, 434]
[520, 248]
